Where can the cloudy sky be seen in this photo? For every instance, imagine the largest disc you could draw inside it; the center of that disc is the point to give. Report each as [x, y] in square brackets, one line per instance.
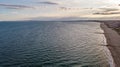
[51, 9]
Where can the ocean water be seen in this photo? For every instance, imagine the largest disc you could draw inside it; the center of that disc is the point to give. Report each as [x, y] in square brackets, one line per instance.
[52, 44]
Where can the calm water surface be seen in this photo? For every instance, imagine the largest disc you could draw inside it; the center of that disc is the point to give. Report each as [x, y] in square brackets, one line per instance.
[52, 44]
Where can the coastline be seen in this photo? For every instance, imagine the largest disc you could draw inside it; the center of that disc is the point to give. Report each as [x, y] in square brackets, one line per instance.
[113, 43]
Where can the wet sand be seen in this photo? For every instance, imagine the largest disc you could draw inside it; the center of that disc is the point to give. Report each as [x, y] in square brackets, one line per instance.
[113, 41]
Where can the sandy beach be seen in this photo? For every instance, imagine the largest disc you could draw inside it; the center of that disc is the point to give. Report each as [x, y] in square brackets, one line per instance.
[113, 40]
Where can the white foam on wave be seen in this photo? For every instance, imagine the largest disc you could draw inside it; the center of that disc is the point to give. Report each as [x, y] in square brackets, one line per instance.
[107, 51]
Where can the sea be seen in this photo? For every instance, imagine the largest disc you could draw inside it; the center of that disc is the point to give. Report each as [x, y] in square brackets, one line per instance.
[53, 44]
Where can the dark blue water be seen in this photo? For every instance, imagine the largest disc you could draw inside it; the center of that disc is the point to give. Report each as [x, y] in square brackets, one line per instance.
[51, 44]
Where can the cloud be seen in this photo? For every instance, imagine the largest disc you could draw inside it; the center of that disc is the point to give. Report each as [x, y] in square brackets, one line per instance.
[107, 11]
[118, 4]
[49, 3]
[69, 8]
[103, 13]
[9, 6]
[63, 8]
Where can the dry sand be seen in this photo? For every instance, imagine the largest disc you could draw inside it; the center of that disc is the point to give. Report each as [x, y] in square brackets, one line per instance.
[113, 40]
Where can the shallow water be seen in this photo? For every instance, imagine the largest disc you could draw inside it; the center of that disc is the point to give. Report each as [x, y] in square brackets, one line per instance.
[52, 44]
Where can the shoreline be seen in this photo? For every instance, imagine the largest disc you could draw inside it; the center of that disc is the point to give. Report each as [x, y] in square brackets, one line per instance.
[113, 43]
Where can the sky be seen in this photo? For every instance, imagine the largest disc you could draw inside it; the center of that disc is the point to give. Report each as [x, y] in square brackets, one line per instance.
[58, 9]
